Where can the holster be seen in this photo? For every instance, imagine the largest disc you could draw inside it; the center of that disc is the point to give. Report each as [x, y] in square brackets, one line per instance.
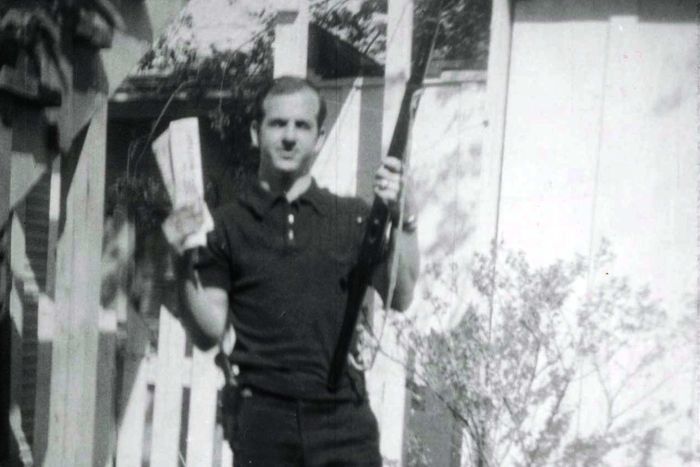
[230, 397]
[230, 402]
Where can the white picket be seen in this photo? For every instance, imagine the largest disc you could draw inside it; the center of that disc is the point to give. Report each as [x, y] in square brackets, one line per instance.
[206, 380]
[226, 455]
[134, 394]
[167, 409]
[169, 371]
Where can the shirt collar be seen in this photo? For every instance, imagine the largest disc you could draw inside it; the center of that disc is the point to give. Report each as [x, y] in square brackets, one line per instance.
[318, 198]
[261, 201]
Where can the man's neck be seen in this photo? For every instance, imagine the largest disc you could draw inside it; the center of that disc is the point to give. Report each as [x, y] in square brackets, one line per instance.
[292, 187]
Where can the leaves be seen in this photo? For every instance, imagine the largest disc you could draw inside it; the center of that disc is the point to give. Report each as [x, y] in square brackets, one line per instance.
[464, 32]
[527, 334]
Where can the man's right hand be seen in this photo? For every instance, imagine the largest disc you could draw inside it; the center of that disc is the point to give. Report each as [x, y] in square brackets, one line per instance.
[183, 222]
[205, 309]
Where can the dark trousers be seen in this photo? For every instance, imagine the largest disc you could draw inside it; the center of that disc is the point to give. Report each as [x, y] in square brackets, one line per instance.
[273, 431]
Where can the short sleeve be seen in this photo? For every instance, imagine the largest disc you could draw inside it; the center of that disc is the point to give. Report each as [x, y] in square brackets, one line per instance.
[214, 263]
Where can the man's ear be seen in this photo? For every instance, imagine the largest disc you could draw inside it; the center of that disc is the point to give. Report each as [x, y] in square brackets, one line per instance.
[320, 140]
[254, 127]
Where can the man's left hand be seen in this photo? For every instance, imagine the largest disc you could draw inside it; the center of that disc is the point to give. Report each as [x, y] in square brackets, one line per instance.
[389, 180]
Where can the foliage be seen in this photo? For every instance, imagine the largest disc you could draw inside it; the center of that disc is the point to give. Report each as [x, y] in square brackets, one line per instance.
[181, 69]
[174, 53]
[364, 28]
[144, 198]
[464, 33]
[239, 72]
[510, 371]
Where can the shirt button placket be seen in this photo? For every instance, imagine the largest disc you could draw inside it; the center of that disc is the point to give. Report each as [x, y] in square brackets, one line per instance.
[290, 227]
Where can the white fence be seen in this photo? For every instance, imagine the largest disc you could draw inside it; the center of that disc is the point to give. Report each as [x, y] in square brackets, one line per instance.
[168, 413]
[167, 407]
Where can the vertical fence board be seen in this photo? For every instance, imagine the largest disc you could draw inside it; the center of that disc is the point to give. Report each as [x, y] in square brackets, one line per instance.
[497, 102]
[5, 325]
[226, 455]
[17, 311]
[206, 380]
[45, 321]
[134, 394]
[290, 48]
[5, 170]
[386, 380]
[106, 429]
[168, 395]
[75, 346]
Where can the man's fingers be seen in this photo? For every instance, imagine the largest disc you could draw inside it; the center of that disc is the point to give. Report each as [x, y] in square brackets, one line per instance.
[171, 233]
[182, 223]
[188, 220]
[386, 179]
[190, 213]
[392, 164]
[387, 185]
[390, 171]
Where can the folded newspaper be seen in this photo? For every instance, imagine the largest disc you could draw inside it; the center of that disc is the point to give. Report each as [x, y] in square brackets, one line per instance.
[178, 154]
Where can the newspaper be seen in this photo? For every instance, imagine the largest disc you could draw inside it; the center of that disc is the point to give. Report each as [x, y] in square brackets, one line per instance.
[178, 154]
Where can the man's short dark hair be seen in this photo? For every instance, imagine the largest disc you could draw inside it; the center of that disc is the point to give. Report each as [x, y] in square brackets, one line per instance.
[289, 85]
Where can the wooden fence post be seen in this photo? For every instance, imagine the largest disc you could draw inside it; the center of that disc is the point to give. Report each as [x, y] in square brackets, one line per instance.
[45, 320]
[5, 170]
[20, 450]
[170, 372]
[5, 324]
[492, 156]
[78, 265]
[386, 380]
[496, 106]
[291, 38]
[206, 380]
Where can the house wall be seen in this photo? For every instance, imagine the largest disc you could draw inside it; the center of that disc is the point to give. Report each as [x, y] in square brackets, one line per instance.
[352, 148]
[601, 143]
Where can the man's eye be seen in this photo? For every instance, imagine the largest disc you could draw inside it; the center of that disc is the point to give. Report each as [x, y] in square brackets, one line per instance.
[304, 125]
[277, 123]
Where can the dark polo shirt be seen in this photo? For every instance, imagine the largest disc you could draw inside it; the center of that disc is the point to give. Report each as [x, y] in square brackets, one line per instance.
[285, 267]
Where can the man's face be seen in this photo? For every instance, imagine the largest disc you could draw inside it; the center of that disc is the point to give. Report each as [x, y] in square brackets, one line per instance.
[288, 135]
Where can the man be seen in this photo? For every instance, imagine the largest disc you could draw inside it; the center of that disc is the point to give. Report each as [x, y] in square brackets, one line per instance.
[277, 267]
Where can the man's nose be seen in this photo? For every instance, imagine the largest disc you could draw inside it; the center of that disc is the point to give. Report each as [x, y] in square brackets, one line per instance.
[290, 134]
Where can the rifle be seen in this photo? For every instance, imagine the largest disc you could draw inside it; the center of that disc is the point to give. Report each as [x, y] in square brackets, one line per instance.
[379, 223]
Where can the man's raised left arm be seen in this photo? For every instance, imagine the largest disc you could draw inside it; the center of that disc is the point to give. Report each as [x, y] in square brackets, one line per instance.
[389, 181]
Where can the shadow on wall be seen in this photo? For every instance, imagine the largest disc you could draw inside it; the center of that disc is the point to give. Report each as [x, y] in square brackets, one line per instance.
[448, 192]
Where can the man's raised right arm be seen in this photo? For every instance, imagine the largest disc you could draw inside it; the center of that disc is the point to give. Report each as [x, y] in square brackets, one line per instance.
[205, 307]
